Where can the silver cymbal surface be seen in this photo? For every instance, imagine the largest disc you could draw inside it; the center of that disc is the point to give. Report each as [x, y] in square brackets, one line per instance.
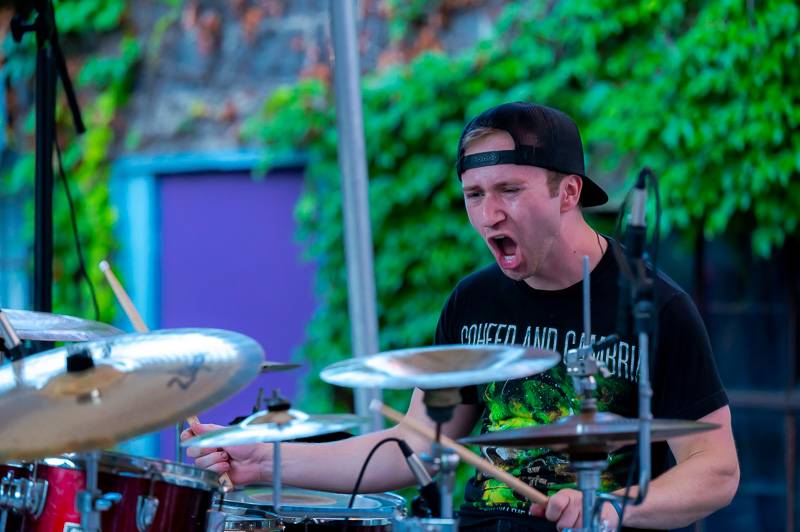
[297, 425]
[447, 366]
[139, 383]
[600, 431]
[46, 327]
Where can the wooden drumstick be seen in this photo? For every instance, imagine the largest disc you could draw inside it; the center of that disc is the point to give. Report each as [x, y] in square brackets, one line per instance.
[465, 454]
[139, 326]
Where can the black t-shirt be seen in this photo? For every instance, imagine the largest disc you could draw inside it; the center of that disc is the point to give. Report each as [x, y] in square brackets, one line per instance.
[487, 307]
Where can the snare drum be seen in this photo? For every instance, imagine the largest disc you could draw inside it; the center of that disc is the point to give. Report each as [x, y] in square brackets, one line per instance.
[302, 509]
[156, 495]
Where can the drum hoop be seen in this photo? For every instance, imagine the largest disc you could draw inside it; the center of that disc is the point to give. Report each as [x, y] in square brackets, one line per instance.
[390, 505]
[263, 522]
[138, 466]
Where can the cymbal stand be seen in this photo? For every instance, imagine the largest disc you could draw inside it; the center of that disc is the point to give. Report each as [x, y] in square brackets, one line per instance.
[91, 501]
[278, 411]
[582, 366]
[439, 405]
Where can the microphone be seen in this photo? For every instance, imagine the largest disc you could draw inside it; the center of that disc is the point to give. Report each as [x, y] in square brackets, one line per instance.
[635, 236]
[427, 487]
[637, 229]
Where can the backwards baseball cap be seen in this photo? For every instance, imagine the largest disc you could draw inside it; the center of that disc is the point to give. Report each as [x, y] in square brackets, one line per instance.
[543, 137]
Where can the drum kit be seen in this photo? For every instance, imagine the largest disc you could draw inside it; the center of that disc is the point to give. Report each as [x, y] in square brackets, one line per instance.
[60, 408]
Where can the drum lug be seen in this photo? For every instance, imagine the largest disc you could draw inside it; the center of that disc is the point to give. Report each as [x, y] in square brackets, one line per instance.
[22, 494]
[146, 508]
[35, 496]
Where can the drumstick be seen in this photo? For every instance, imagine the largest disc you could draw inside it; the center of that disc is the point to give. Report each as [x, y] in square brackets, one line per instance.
[139, 326]
[122, 297]
[465, 454]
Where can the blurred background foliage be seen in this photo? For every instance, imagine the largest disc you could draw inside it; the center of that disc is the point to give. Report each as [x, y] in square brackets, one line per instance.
[706, 93]
[103, 71]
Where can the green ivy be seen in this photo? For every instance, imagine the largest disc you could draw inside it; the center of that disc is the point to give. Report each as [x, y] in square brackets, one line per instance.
[104, 84]
[706, 93]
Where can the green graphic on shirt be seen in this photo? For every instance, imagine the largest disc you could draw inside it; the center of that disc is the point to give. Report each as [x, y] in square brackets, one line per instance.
[535, 401]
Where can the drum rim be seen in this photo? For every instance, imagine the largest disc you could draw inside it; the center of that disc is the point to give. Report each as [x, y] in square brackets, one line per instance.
[391, 505]
[263, 522]
[173, 473]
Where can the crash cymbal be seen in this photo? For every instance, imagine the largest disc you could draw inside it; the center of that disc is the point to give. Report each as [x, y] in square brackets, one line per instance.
[589, 432]
[269, 367]
[447, 366]
[138, 383]
[31, 325]
[267, 426]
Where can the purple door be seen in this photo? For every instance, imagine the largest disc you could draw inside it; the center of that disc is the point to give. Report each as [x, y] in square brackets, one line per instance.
[229, 260]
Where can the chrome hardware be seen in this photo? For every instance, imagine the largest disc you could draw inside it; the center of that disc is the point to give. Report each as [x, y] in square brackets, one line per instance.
[146, 508]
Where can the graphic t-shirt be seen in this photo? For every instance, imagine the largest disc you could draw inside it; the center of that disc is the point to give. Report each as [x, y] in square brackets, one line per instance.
[489, 308]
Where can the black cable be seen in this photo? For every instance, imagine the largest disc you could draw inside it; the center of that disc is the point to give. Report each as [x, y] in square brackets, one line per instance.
[75, 235]
[364, 467]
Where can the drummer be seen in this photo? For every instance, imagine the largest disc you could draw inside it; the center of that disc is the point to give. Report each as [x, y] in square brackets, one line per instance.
[524, 195]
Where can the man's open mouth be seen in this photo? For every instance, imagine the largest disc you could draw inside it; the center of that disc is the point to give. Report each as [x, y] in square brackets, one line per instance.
[505, 249]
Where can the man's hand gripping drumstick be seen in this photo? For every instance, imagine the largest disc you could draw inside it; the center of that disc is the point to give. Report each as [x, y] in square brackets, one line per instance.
[465, 454]
[139, 325]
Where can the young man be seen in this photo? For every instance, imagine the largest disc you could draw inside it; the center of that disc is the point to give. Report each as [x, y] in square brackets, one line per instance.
[522, 173]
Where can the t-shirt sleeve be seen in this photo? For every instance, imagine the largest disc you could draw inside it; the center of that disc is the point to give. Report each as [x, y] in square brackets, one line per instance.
[686, 383]
[446, 335]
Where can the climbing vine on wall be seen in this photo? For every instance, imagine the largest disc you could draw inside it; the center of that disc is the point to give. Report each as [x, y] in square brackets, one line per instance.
[706, 93]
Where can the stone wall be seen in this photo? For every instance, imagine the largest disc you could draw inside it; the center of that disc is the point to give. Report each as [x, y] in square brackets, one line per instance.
[210, 64]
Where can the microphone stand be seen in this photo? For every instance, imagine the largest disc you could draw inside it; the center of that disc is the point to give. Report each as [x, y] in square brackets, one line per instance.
[642, 304]
[50, 63]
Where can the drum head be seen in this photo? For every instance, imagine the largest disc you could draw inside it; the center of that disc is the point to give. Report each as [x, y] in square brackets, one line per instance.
[297, 502]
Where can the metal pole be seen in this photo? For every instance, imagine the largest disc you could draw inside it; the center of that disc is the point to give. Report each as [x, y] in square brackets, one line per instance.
[355, 200]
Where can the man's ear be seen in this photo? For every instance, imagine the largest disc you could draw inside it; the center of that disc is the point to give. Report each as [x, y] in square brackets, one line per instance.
[570, 192]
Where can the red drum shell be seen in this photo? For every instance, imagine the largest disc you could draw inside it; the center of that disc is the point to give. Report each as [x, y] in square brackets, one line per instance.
[180, 507]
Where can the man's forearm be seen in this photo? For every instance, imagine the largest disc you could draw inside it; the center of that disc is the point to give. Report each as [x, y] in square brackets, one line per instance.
[686, 493]
[335, 466]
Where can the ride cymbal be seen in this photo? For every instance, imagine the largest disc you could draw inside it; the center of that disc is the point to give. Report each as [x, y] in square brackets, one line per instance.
[448, 366]
[95, 394]
[587, 432]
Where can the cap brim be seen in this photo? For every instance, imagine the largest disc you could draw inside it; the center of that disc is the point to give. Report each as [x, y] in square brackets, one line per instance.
[592, 195]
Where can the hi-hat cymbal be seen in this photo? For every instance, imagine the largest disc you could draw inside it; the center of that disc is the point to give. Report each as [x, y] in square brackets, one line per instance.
[447, 366]
[46, 327]
[139, 383]
[587, 432]
[267, 426]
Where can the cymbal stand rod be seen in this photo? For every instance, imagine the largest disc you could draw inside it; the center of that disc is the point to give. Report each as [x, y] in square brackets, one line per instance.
[85, 501]
[447, 461]
[645, 416]
[276, 476]
[588, 472]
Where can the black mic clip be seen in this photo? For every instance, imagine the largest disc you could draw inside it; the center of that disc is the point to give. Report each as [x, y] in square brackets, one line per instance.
[429, 501]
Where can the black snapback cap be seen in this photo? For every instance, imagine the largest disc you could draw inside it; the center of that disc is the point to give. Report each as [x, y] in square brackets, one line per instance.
[543, 137]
